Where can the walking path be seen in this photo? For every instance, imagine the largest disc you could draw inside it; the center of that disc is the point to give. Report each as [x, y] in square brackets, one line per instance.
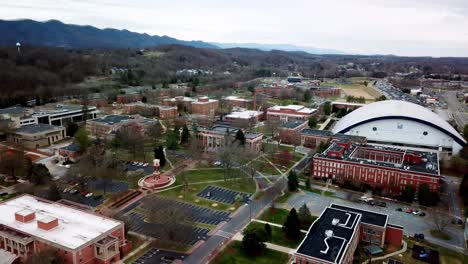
[239, 236]
[273, 224]
[134, 252]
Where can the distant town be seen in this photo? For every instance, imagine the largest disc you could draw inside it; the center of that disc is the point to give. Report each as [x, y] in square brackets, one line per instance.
[215, 165]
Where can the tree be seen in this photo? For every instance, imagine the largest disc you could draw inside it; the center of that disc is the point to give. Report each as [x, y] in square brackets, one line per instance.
[82, 139]
[312, 122]
[440, 220]
[408, 194]
[291, 226]
[159, 154]
[381, 98]
[144, 99]
[130, 137]
[72, 128]
[284, 158]
[268, 230]
[463, 187]
[14, 163]
[305, 218]
[154, 132]
[253, 241]
[465, 131]
[39, 174]
[172, 139]
[307, 183]
[426, 197]
[322, 147]
[307, 96]
[53, 193]
[185, 136]
[226, 155]
[240, 137]
[327, 108]
[293, 182]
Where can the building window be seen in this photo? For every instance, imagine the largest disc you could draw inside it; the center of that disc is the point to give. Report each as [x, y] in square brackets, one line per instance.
[425, 133]
[374, 128]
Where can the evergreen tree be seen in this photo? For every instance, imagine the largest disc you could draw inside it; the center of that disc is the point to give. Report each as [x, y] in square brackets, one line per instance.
[426, 197]
[327, 108]
[253, 241]
[293, 182]
[312, 122]
[54, 193]
[159, 154]
[268, 230]
[82, 139]
[307, 183]
[184, 138]
[305, 218]
[240, 137]
[291, 226]
[72, 128]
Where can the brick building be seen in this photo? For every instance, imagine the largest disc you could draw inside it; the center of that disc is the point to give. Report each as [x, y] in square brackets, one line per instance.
[325, 92]
[386, 167]
[205, 106]
[106, 126]
[238, 102]
[290, 113]
[276, 91]
[161, 111]
[311, 138]
[246, 118]
[290, 132]
[181, 102]
[213, 138]
[335, 235]
[29, 225]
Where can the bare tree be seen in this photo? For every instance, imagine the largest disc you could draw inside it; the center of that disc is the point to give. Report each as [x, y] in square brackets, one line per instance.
[227, 155]
[440, 220]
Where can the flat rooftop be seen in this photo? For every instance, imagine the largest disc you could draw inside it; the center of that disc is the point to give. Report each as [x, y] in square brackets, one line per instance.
[339, 226]
[316, 132]
[293, 124]
[75, 228]
[237, 98]
[53, 109]
[37, 128]
[244, 114]
[14, 110]
[367, 217]
[429, 160]
[113, 119]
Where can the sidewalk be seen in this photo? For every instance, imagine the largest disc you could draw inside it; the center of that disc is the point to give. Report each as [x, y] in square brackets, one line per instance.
[239, 236]
[134, 252]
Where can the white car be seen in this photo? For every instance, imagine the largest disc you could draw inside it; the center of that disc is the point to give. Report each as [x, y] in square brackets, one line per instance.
[145, 165]
[366, 199]
[66, 190]
[416, 212]
[89, 195]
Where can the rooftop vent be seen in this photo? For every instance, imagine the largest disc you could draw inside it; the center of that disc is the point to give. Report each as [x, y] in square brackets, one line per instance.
[25, 215]
[329, 233]
[47, 223]
[335, 221]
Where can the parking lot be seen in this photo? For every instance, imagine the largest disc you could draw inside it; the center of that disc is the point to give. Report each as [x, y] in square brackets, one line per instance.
[157, 256]
[135, 167]
[137, 224]
[199, 214]
[412, 223]
[107, 185]
[222, 195]
[79, 198]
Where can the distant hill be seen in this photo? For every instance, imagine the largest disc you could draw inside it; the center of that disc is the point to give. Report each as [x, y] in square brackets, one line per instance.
[54, 33]
[283, 47]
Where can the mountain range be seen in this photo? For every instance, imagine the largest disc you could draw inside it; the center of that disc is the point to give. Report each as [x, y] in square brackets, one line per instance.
[54, 33]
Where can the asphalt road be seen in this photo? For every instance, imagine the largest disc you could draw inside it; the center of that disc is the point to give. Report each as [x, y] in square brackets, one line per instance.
[412, 224]
[456, 108]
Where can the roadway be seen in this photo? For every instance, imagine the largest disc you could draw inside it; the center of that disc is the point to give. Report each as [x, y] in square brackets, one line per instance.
[457, 109]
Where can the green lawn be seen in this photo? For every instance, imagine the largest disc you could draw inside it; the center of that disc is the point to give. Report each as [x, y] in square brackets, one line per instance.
[284, 198]
[278, 237]
[274, 215]
[441, 235]
[244, 184]
[234, 254]
[327, 193]
[264, 167]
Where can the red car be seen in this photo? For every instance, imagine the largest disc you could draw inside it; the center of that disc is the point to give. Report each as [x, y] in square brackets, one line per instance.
[409, 211]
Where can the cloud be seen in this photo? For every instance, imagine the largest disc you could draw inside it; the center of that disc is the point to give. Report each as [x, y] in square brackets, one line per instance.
[402, 27]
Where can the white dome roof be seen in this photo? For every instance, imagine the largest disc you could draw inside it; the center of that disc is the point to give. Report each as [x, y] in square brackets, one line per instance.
[393, 109]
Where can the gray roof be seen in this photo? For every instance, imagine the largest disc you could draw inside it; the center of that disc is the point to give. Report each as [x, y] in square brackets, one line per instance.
[316, 132]
[293, 124]
[112, 119]
[368, 217]
[14, 110]
[37, 128]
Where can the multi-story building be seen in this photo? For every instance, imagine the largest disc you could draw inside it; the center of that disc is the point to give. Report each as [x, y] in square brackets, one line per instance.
[387, 167]
[290, 113]
[205, 106]
[335, 235]
[290, 132]
[29, 225]
[246, 118]
[181, 102]
[312, 138]
[37, 135]
[215, 137]
[106, 126]
[236, 101]
[161, 111]
[322, 91]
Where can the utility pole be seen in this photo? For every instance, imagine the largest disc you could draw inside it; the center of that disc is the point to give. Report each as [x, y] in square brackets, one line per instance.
[18, 46]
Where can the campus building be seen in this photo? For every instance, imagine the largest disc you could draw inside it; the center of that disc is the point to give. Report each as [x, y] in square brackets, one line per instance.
[215, 137]
[396, 122]
[336, 234]
[386, 167]
[246, 118]
[205, 106]
[37, 135]
[161, 111]
[312, 138]
[106, 126]
[238, 102]
[290, 132]
[288, 113]
[29, 225]
[323, 91]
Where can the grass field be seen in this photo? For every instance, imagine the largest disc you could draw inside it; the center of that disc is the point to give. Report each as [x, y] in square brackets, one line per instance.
[234, 254]
[278, 237]
[244, 184]
[357, 88]
[274, 215]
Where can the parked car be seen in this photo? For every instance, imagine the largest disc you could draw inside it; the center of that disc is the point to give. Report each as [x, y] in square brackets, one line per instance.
[382, 204]
[66, 190]
[89, 195]
[98, 197]
[419, 236]
[416, 212]
[366, 199]
[73, 191]
[399, 209]
[422, 214]
[409, 211]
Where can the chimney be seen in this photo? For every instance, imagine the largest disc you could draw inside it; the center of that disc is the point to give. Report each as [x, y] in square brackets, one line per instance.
[47, 223]
[25, 216]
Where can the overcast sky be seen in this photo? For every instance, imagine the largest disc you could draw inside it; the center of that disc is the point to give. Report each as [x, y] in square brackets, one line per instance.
[400, 27]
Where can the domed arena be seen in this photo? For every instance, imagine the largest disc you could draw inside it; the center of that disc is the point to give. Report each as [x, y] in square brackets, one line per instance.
[401, 123]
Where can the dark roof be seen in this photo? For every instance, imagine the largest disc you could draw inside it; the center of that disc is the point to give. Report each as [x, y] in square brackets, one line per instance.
[368, 217]
[37, 128]
[72, 147]
[314, 242]
[293, 124]
[112, 119]
[316, 132]
[14, 110]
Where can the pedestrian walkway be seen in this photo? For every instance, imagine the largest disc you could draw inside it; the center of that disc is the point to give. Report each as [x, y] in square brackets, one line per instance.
[134, 252]
[273, 224]
[405, 246]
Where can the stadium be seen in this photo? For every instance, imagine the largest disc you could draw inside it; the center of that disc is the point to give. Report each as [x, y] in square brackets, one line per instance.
[401, 123]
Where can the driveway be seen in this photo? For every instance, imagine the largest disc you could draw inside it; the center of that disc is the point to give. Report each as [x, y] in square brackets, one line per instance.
[412, 224]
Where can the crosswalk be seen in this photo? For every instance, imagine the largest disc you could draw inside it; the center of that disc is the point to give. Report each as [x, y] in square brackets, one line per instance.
[224, 234]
